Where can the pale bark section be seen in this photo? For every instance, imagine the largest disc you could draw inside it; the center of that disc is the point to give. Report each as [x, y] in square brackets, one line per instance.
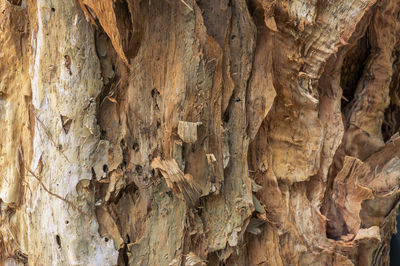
[54, 221]
[182, 132]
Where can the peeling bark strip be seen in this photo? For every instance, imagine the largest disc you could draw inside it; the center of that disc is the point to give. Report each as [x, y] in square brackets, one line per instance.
[182, 132]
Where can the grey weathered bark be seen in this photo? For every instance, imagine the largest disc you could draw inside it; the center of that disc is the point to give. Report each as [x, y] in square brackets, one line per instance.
[182, 132]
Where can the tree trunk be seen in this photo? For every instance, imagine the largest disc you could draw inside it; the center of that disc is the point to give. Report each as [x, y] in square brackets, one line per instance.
[183, 132]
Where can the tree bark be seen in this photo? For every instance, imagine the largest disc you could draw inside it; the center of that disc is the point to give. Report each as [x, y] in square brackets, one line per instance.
[183, 132]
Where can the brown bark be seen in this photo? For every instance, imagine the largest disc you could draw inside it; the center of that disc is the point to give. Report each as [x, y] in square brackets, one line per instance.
[182, 132]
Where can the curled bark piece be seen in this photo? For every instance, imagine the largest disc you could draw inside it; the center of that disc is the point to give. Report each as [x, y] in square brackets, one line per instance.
[181, 183]
[193, 260]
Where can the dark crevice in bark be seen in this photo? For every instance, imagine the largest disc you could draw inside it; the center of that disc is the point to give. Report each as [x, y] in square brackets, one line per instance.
[391, 122]
[257, 13]
[131, 35]
[215, 15]
[352, 68]
[123, 258]
[15, 2]
[395, 245]
[352, 60]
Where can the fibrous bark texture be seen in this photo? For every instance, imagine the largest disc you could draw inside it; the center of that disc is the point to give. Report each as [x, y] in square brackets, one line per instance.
[199, 132]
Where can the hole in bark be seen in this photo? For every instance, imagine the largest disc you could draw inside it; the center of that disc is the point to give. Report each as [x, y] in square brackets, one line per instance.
[53, 9]
[67, 222]
[335, 224]
[105, 168]
[135, 146]
[103, 134]
[352, 68]
[67, 63]
[106, 239]
[154, 93]
[58, 240]
[139, 169]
